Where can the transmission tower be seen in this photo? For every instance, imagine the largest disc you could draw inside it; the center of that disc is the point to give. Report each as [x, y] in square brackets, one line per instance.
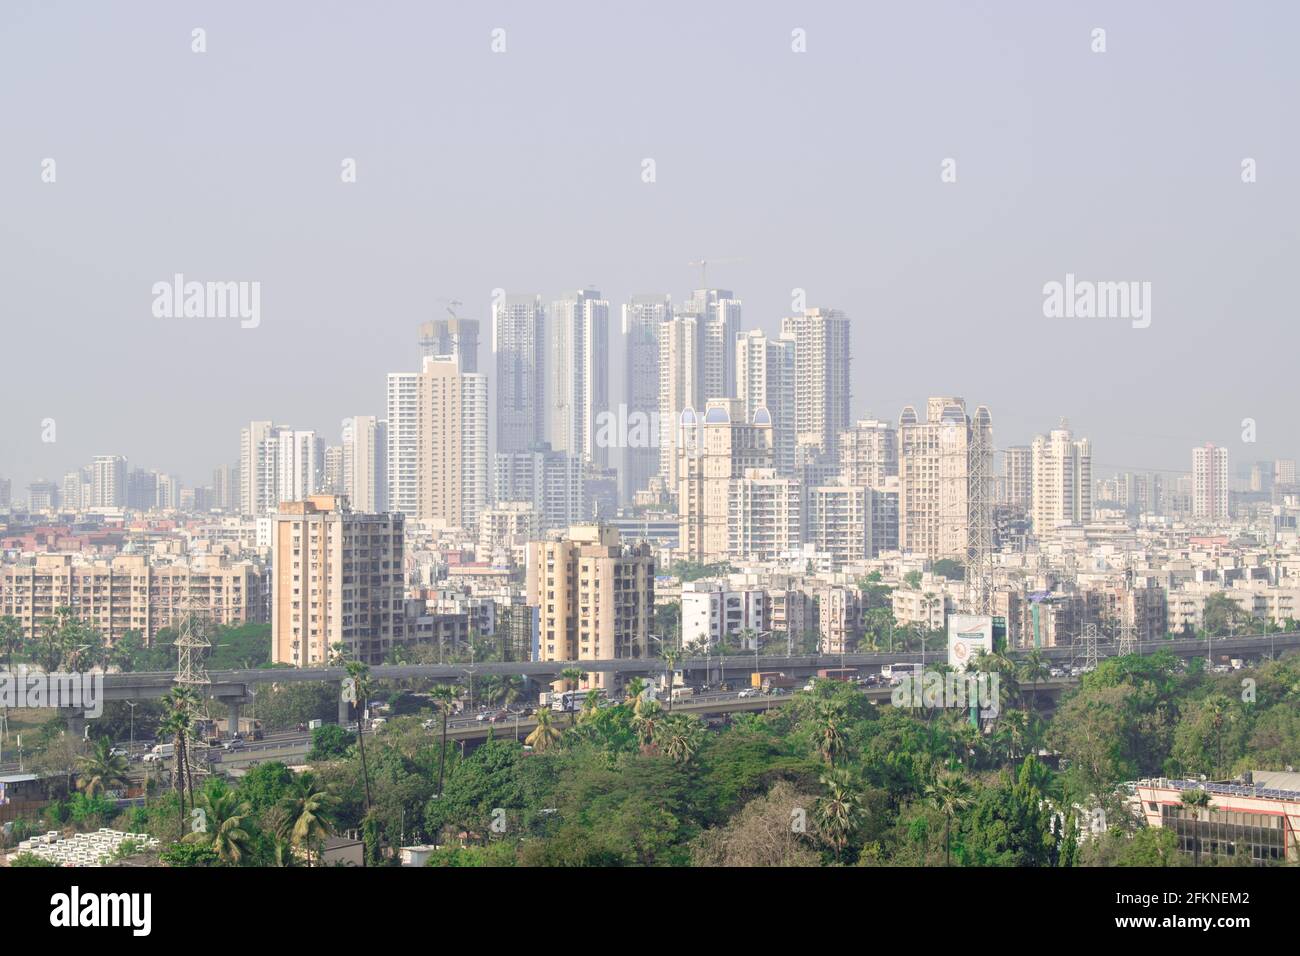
[1085, 648]
[1125, 643]
[192, 643]
[979, 549]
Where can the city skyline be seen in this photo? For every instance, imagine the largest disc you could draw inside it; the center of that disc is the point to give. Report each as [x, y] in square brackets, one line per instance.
[1127, 166]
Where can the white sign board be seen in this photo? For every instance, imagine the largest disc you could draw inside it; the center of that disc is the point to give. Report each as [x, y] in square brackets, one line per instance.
[968, 634]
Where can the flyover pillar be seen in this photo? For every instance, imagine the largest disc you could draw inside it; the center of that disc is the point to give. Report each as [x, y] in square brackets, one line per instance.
[345, 708]
[232, 711]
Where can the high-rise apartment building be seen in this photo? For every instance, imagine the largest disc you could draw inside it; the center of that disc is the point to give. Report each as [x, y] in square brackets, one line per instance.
[1062, 470]
[936, 458]
[578, 379]
[594, 595]
[108, 482]
[765, 379]
[131, 592]
[822, 383]
[259, 467]
[713, 449]
[642, 317]
[718, 311]
[680, 385]
[551, 480]
[519, 350]
[300, 465]
[451, 336]
[437, 443]
[365, 463]
[42, 495]
[869, 453]
[1018, 477]
[336, 579]
[1210, 483]
[764, 516]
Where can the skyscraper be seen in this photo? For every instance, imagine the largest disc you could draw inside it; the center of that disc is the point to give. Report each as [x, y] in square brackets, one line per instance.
[822, 384]
[365, 463]
[1018, 477]
[451, 336]
[680, 384]
[579, 376]
[1210, 482]
[300, 465]
[936, 465]
[1062, 482]
[869, 453]
[437, 443]
[259, 473]
[714, 449]
[108, 482]
[719, 314]
[518, 347]
[642, 317]
[765, 379]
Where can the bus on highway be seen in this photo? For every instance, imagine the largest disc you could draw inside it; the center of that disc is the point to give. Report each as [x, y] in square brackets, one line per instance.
[571, 700]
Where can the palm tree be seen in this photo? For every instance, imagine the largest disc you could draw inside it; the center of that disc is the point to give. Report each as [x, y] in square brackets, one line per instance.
[679, 737]
[545, 733]
[181, 704]
[671, 656]
[950, 795]
[645, 719]
[635, 688]
[1034, 668]
[308, 813]
[829, 736]
[359, 674]
[591, 705]
[1196, 800]
[571, 675]
[11, 639]
[224, 829]
[101, 770]
[838, 812]
[445, 696]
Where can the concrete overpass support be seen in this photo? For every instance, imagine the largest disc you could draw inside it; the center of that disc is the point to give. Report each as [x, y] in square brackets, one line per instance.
[345, 708]
[232, 712]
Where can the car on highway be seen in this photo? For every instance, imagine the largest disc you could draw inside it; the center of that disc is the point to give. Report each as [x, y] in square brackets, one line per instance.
[234, 743]
[748, 692]
[119, 752]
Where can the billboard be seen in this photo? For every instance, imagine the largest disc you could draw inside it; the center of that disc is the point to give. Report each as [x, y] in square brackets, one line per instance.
[968, 634]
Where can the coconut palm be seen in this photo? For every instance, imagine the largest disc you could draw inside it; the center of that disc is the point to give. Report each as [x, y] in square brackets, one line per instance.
[837, 814]
[309, 813]
[679, 737]
[645, 719]
[950, 794]
[671, 656]
[635, 688]
[181, 705]
[1196, 800]
[359, 674]
[101, 770]
[224, 829]
[590, 706]
[445, 696]
[545, 733]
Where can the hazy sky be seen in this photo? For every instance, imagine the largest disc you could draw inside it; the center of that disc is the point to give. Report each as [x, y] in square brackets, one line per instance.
[522, 170]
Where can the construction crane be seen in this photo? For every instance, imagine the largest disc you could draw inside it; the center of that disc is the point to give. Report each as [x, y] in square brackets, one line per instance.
[452, 306]
[704, 264]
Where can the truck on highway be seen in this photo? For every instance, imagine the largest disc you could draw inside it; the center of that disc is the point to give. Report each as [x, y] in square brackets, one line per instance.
[160, 752]
[838, 673]
[769, 681]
